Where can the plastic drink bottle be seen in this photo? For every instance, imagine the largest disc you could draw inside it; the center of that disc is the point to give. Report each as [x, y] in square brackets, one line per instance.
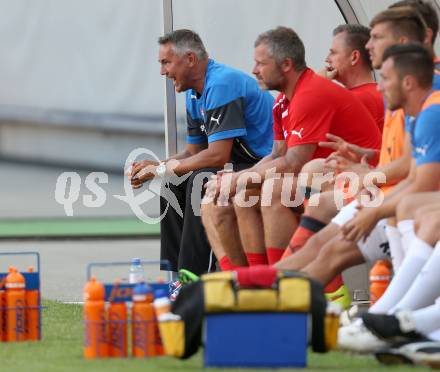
[162, 303]
[95, 343]
[136, 274]
[117, 327]
[380, 277]
[2, 311]
[33, 320]
[16, 306]
[143, 322]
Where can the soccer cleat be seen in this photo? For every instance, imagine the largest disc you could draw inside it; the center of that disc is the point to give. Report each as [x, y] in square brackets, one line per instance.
[392, 328]
[355, 337]
[424, 352]
[341, 296]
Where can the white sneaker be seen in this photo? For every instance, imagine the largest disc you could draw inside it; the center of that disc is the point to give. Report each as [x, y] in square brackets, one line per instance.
[355, 337]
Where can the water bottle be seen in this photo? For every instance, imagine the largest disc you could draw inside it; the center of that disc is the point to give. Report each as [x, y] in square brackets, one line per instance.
[380, 277]
[136, 274]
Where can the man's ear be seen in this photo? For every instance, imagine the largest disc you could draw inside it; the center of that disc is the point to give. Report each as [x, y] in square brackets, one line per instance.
[287, 65]
[428, 36]
[355, 57]
[409, 82]
[403, 40]
[191, 58]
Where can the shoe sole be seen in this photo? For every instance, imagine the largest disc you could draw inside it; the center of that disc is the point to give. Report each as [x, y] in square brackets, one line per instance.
[392, 358]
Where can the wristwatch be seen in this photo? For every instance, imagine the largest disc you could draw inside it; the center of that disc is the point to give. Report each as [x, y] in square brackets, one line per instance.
[161, 169]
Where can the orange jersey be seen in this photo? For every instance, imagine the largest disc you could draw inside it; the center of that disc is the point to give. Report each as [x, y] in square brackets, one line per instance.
[392, 140]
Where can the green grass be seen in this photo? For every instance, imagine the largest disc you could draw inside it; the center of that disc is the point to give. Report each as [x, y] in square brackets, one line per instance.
[61, 350]
[76, 227]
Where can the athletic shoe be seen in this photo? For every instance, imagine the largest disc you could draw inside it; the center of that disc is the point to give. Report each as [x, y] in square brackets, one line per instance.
[424, 352]
[354, 312]
[341, 296]
[392, 328]
[355, 337]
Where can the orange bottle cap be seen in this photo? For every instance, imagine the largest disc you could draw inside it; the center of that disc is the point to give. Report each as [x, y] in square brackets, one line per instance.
[94, 290]
[14, 279]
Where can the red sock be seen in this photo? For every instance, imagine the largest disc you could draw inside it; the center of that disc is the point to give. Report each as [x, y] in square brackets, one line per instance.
[334, 285]
[226, 264]
[308, 226]
[274, 254]
[256, 276]
[256, 258]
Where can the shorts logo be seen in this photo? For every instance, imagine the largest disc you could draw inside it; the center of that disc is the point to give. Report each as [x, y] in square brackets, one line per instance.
[298, 133]
[385, 248]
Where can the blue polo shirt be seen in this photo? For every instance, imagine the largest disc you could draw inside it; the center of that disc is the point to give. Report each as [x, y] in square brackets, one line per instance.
[232, 105]
[425, 132]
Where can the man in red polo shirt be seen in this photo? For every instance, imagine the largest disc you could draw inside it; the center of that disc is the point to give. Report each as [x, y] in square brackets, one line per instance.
[307, 108]
[348, 62]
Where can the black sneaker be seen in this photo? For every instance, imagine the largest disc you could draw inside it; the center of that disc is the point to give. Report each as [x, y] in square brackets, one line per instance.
[424, 352]
[392, 328]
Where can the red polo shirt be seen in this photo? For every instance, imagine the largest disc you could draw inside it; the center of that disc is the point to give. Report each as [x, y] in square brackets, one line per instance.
[372, 100]
[318, 107]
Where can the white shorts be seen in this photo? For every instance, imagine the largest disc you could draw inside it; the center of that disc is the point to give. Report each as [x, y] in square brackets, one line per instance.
[376, 246]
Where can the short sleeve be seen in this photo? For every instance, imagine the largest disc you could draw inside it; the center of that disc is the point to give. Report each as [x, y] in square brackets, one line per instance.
[426, 146]
[195, 135]
[224, 120]
[278, 133]
[310, 121]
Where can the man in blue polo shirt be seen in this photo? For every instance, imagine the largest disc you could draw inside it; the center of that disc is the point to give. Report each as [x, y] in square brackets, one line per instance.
[229, 120]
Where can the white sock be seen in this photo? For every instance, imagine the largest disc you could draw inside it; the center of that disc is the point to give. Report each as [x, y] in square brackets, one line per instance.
[406, 229]
[427, 320]
[412, 264]
[435, 336]
[425, 288]
[396, 249]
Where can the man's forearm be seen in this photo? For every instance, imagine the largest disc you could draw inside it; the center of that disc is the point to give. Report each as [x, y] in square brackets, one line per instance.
[203, 159]
[389, 205]
[180, 155]
[396, 170]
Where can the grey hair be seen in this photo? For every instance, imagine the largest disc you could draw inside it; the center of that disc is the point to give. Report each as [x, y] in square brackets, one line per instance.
[284, 43]
[184, 41]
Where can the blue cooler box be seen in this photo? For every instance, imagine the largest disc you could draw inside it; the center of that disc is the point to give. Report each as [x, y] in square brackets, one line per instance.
[255, 340]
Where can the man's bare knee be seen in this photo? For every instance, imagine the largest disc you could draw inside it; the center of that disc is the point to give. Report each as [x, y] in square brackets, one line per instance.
[406, 208]
[316, 175]
[322, 207]
[217, 215]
